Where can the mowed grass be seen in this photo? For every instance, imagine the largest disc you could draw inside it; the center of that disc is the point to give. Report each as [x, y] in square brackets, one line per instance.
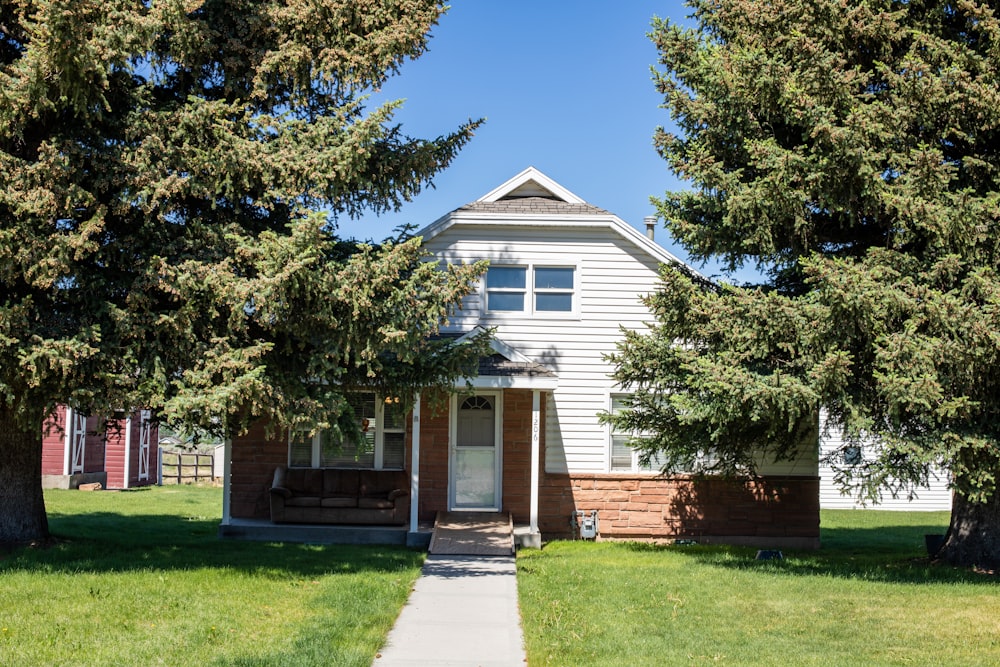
[869, 596]
[141, 578]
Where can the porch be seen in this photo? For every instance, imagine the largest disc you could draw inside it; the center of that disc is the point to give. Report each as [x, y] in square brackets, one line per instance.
[263, 530]
[479, 452]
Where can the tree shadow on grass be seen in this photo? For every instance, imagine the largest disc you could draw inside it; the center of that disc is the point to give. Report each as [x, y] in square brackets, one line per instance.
[100, 542]
[895, 554]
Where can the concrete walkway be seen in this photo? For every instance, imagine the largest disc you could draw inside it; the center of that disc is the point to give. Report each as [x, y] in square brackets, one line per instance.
[462, 612]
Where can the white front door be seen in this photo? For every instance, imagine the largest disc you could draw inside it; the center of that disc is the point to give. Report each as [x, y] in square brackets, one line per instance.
[475, 453]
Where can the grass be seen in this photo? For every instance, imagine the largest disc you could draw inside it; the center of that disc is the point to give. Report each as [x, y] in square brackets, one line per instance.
[140, 578]
[868, 597]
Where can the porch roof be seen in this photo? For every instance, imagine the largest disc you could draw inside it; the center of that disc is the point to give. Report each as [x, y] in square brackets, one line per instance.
[507, 368]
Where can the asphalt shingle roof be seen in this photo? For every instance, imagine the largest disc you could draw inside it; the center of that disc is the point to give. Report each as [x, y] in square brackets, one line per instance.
[499, 365]
[524, 205]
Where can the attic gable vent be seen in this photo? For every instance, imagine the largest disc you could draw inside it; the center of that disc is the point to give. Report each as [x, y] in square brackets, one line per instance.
[530, 189]
[531, 183]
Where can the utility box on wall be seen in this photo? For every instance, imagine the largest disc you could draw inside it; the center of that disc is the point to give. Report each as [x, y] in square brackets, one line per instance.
[586, 524]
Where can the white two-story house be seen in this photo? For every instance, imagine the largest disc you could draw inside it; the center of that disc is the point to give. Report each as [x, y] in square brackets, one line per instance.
[565, 277]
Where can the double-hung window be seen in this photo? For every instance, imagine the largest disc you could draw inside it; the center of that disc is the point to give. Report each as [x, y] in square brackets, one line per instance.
[382, 427]
[623, 457]
[531, 289]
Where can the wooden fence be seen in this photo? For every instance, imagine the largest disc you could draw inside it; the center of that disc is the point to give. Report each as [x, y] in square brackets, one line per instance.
[186, 467]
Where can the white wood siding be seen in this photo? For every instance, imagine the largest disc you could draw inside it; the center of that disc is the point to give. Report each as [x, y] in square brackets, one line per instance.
[936, 496]
[612, 276]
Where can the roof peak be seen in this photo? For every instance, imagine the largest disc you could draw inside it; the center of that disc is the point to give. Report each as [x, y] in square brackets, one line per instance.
[531, 183]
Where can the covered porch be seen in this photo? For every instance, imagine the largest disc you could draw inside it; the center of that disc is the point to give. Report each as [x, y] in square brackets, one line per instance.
[479, 451]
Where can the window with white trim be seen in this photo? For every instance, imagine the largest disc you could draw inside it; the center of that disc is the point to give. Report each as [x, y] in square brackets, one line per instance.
[623, 457]
[531, 289]
[382, 423]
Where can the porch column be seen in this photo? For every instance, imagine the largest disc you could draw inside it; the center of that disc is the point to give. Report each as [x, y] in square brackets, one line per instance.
[415, 466]
[536, 428]
[227, 465]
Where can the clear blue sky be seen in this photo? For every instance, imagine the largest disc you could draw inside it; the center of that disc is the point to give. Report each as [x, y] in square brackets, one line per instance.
[565, 87]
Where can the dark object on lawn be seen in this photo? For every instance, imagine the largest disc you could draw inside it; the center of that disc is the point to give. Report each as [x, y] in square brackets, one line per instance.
[933, 544]
[770, 554]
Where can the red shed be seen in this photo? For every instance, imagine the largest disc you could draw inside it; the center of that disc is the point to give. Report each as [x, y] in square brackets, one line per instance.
[119, 453]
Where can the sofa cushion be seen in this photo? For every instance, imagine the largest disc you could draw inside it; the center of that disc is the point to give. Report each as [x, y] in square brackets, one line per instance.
[304, 481]
[340, 482]
[339, 501]
[375, 503]
[381, 482]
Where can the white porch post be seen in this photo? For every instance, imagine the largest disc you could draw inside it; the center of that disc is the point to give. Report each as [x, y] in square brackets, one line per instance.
[536, 427]
[227, 465]
[415, 465]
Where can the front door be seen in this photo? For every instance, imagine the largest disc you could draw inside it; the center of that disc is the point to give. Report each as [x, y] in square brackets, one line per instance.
[475, 455]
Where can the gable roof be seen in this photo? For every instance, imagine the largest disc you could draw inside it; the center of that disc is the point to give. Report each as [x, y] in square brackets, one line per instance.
[506, 367]
[533, 199]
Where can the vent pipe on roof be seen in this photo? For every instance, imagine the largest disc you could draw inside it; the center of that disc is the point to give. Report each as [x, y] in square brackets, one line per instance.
[650, 221]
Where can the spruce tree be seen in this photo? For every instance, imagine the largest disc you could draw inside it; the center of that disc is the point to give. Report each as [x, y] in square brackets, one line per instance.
[851, 152]
[174, 175]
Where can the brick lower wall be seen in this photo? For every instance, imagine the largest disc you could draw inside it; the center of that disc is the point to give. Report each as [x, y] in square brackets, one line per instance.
[773, 511]
[254, 458]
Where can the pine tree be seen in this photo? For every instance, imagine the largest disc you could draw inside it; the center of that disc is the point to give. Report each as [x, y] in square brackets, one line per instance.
[172, 178]
[851, 152]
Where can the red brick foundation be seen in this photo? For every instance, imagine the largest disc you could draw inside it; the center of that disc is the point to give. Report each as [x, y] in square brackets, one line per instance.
[778, 512]
[774, 511]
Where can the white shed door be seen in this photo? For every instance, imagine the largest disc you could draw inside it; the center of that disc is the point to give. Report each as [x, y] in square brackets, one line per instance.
[78, 441]
[144, 450]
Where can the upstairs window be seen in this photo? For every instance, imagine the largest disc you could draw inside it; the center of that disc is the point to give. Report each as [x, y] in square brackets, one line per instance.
[506, 287]
[554, 289]
[531, 289]
[382, 423]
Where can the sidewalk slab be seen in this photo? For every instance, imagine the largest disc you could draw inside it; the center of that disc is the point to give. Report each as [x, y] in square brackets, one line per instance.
[462, 611]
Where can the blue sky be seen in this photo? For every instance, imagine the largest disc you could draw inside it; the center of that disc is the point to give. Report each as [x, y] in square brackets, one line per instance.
[565, 87]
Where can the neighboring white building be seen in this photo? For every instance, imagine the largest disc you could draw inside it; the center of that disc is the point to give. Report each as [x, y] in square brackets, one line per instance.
[935, 497]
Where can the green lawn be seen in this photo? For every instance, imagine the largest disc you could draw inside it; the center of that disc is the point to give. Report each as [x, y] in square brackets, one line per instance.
[140, 578]
[868, 597]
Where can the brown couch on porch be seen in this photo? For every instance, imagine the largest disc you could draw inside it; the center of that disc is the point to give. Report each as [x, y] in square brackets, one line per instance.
[339, 495]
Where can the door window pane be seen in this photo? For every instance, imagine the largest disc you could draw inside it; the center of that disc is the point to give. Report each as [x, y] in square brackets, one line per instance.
[475, 478]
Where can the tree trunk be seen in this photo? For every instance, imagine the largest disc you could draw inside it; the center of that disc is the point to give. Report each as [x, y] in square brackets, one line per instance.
[973, 538]
[22, 507]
